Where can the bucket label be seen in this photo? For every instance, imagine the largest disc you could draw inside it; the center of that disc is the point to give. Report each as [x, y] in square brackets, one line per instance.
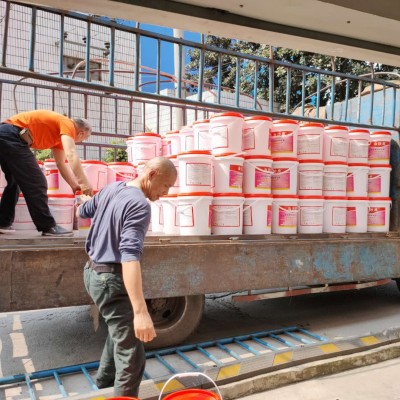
[204, 140]
[310, 180]
[311, 216]
[335, 182]
[376, 216]
[248, 216]
[309, 144]
[374, 183]
[52, 180]
[338, 147]
[351, 216]
[269, 216]
[262, 177]
[235, 176]
[338, 216]
[379, 150]
[249, 140]
[198, 174]
[281, 142]
[226, 215]
[219, 137]
[287, 216]
[281, 179]
[186, 215]
[358, 148]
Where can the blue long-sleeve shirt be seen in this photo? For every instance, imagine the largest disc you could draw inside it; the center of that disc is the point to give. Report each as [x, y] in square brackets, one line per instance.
[120, 218]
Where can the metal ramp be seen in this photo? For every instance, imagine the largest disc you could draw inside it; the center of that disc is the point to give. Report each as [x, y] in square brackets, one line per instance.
[224, 357]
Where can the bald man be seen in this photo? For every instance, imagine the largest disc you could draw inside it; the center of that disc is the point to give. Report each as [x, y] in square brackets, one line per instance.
[120, 216]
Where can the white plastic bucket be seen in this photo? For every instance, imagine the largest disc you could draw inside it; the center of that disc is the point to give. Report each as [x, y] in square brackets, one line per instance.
[226, 133]
[358, 146]
[171, 143]
[335, 179]
[157, 217]
[310, 141]
[285, 210]
[257, 173]
[336, 143]
[379, 214]
[357, 180]
[379, 147]
[256, 135]
[283, 138]
[62, 209]
[175, 189]
[379, 180]
[194, 213]
[257, 214]
[96, 172]
[186, 134]
[195, 171]
[310, 178]
[227, 214]
[202, 136]
[120, 171]
[144, 147]
[357, 215]
[56, 184]
[284, 178]
[311, 214]
[22, 220]
[335, 213]
[228, 173]
[170, 216]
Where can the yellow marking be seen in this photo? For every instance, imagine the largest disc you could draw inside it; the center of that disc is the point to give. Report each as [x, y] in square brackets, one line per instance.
[370, 340]
[228, 372]
[173, 385]
[97, 398]
[329, 348]
[283, 358]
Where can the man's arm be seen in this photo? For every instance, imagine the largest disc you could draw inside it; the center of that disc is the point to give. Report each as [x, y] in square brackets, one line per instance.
[75, 164]
[65, 170]
[143, 325]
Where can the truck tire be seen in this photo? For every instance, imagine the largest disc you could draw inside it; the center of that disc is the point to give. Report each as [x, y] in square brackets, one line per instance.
[174, 318]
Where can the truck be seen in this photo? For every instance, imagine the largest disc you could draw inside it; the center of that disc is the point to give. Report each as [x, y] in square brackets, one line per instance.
[97, 76]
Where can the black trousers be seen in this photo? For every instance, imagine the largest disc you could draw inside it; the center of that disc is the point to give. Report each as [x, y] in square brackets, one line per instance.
[22, 173]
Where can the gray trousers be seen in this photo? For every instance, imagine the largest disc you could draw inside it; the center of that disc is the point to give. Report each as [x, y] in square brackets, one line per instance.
[123, 359]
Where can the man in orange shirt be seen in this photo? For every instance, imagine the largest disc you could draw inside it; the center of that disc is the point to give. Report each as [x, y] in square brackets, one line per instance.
[39, 129]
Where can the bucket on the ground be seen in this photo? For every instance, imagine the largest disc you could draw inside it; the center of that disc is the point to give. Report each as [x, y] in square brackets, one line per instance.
[186, 134]
[22, 220]
[120, 171]
[357, 180]
[202, 136]
[283, 138]
[310, 178]
[257, 214]
[335, 178]
[170, 216]
[310, 141]
[335, 213]
[358, 146]
[227, 214]
[96, 172]
[379, 214]
[357, 214]
[194, 213]
[311, 214]
[285, 210]
[256, 138]
[284, 178]
[336, 143]
[62, 209]
[257, 173]
[379, 180]
[379, 147]
[228, 173]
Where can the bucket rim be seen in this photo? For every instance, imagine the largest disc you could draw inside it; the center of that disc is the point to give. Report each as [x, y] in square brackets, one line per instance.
[313, 124]
[311, 197]
[381, 133]
[195, 194]
[380, 166]
[195, 152]
[228, 195]
[227, 114]
[285, 121]
[285, 196]
[255, 156]
[360, 130]
[93, 162]
[336, 198]
[358, 198]
[379, 199]
[311, 161]
[358, 164]
[336, 127]
[257, 195]
[121, 163]
[61, 196]
[293, 159]
[341, 163]
[258, 117]
[201, 121]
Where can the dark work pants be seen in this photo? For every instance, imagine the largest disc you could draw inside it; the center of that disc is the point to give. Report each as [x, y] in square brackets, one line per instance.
[123, 359]
[22, 172]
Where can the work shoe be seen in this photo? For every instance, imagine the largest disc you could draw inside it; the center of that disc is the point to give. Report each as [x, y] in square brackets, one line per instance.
[7, 229]
[57, 231]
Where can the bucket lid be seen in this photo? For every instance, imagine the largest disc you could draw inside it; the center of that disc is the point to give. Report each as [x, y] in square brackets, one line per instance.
[357, 198]
[186, 128]
[194, 394]
[311, 124]
[336, 127]
[145, 134]
[40, 162]
[285, 196]
[258, 117]
[228, 195]
[258, 195]
[93, 162]
[49, 160]
[358, 165]
[169, 195]
[311, 161]
[195, 194]
[311, 197]
[379, 199]
[175, 132]
[380, 166]
[171, 156]
[229, 155]
[201, 121]
[121, 163]
[359, 131]
[284, 159]
[195, 152]
[335, 162]
[335, 198]
[381, 133]
[61, 196]
[254, 157]
[227, 114]
[285, 121]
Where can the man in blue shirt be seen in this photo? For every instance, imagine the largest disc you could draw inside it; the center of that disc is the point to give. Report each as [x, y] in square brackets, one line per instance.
[120, 216]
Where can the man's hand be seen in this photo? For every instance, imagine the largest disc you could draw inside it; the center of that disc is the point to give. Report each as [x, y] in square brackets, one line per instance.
[144, 328]
[87, 189]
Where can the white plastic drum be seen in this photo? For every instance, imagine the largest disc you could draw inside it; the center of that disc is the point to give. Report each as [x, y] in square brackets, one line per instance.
[144, 147]
[311, 214]
[357, 214]
[336, 143]
[358, 146]
[257, 173]
[310, 141]
[256, 135]
[170, 216]
[186, 134]
[120, 171]
[56, 184]
[285, 210]
[227, 214]
[202, 136]
[62, 209]
[157, 217]
[283, 138]
[379, 147]
[335, 179]
[194, 213]
[257, 214]
[311, 174]
[335, 214]
[195, 171]
[96, 172]
[284, 178]
[228, 173]
[357, 180]
[175, 189]
[379, 180]
[226, 133]
[379, 214]
[22, 220]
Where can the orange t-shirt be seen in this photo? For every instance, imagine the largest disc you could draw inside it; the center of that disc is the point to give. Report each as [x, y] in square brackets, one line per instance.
[45, 126]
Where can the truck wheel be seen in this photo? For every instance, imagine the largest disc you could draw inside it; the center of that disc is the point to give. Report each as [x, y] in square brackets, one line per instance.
[175, 319]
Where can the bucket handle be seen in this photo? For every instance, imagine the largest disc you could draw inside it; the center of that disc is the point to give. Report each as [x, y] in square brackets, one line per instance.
[283, 209]
[286, 170]
[188, 374]
[249, 205]
[260, 169]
